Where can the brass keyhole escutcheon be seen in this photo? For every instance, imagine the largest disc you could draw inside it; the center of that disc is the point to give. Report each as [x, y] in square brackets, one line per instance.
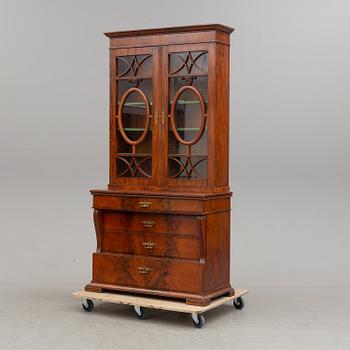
[145, 204]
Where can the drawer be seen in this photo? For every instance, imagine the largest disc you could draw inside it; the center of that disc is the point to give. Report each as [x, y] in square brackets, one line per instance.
[152, 223]
[147, 204]
[145, 272]
[151, 244]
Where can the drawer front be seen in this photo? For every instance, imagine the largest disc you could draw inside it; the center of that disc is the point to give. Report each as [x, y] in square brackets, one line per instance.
[151, 273]
[148, 204]
[151, 244]
[152, 223]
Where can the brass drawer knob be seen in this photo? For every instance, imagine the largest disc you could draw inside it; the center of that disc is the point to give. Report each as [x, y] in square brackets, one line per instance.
[148, 223]
[148, 245]
[144, 269]
[145, 204]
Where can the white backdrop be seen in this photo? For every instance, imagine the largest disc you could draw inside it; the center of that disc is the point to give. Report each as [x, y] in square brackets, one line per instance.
[289, 147]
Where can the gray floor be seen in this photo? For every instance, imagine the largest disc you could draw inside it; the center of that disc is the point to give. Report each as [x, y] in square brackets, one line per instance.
[33, 318]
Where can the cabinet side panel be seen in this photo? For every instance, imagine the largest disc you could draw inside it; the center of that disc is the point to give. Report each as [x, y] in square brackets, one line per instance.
[222, 115]
[217, 251]
[112, 120]
[226, 246]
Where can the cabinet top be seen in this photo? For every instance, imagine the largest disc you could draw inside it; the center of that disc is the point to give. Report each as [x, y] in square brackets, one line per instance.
[171, 30]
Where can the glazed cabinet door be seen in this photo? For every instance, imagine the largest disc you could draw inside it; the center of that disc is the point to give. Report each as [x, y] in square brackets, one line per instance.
[134, 115]
[185, 104]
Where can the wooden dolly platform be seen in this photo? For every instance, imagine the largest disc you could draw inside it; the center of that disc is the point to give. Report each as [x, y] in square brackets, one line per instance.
[139, 303]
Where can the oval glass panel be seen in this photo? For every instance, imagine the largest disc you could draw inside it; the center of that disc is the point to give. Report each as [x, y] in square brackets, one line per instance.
[188, 115]
[134, 115]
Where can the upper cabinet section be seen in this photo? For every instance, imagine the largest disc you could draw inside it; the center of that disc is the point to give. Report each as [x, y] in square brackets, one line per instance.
[169, 109]
[169, 36]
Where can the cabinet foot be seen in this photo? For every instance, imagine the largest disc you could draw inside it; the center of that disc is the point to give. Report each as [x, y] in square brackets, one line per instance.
[95, 289]
[231, 293]
[199, 301]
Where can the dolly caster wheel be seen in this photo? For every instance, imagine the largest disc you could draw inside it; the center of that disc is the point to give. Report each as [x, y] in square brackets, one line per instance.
[140, 312]
[238, 303]
[198, 320]
[87, 305]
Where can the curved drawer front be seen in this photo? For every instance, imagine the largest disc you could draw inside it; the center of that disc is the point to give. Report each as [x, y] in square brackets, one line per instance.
[147, 204]
[146, 272]
[152, 223]
[151, 244]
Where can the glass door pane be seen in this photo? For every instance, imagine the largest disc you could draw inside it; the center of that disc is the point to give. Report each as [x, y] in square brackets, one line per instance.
[187, 110]
[134, 109]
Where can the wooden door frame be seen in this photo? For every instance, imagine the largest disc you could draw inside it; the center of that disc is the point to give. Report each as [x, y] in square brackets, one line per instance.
[135, 182]
[185, 184]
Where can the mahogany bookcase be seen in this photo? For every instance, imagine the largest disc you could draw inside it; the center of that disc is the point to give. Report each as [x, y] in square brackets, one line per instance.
[163, 223]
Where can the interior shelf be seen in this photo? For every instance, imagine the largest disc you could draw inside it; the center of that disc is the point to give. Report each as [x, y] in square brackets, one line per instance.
[136, 104]
[187, 129]
[181, 102]
[187, 76]
[135, 129]
[178, 129]
[188, 102]
[132, 78]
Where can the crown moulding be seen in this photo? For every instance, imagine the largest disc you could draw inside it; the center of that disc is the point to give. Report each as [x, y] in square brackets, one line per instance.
[170, 30]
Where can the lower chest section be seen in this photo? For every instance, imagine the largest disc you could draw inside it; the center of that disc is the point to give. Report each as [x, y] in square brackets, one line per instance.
[176, 249]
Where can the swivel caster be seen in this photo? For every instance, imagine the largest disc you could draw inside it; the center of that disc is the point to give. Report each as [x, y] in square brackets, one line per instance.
[238, 303]
[87, 305]
[198, 320]
[140, 312]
